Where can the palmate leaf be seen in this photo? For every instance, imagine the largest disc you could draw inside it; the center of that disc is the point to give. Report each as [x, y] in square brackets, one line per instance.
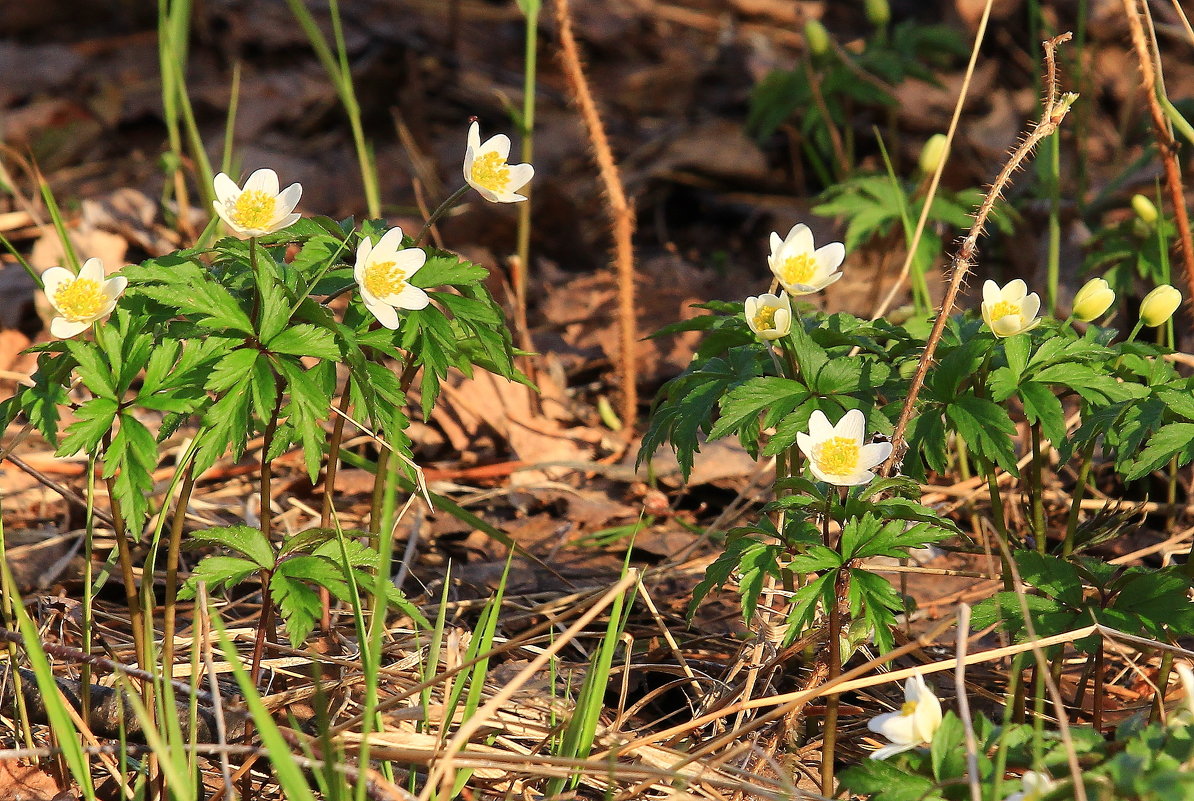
[226, 426]
[93, 368]
[746, 401]
[986, 428]
[306, 340]
[873, 597]
[205, 303]
[129, 461]
[882, 780]
[96, 417]
[298, 604]
[1174, 439]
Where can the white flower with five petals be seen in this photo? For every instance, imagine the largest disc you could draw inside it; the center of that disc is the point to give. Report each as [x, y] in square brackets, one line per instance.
[1010, 310]
[915, 723]
[259, 208]
[836, 454]
[80, 300]
[801, 269]
[383, 274]
[486, 169]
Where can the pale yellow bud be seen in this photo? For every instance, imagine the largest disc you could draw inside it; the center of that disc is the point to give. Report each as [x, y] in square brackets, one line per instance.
[1144, 209]
[933, 153]
[878, 12]
[1159, 305]
[1093, 300]
[816, 37]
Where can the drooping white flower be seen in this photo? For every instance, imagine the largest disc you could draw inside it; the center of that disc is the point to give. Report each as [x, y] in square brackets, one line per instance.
[80, 300]
[259, 208]
[836, 453]
[486, 170]
[915, 723]
[800, 269]
[769, 316]
[1033, 787]
[383, 274]
[1010, 310]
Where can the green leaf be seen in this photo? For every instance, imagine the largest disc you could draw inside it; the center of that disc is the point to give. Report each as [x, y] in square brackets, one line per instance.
[1055, 577]
[298, 604]
[947, 752]
[217, 572]
[232, 370]
[306, 340]
[986, 428]
[245, 540]
[93, 369]
[205, 303]
[745, 401]
[1042, 406]
[1175, 439]
[96, 417]
[883, 780]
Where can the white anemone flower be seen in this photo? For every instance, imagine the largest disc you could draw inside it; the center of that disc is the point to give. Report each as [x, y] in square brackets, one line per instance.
[836, 453]
[259, 208]
[801, 269]
[486, 170]
[1010, 310]
[769, 316]
[80, 300]
[383, 274]
[915, 723]
[1033, 787]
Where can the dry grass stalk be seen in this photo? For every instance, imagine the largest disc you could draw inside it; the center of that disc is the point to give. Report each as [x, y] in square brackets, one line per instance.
[1054, 112]
[621, 214]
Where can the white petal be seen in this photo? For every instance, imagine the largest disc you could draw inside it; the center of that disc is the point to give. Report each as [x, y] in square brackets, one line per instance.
[93, 270]
[1015, 290]
[891, 750]
[410, 260]
[263, 180]
[896, 727]
[1030, 306]
[226, 188]
[751, 308]
[827, 280]
[783, 322]
[520, 175]
[289, 198]
[991, 293]
[384, 312]
[485, 192]
[412, 298]
[1008, 325]
[389, 244]
[114, 287]
[876, 453]
[776, 244]
[800, 239]
[54, 278]
[65, 329]
[819, 427]
[285, 222]
[823, 476]
[222, 212]
[852, 425]
[499, 143]
[474, 136]
[806, 444]
[363, 250]
[830, 257]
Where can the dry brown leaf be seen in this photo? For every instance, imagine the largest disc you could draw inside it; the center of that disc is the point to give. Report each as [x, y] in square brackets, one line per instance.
[25, 783]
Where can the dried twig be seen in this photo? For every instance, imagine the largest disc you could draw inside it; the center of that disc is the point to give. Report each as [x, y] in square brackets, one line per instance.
[621, 214]
[1056, 107]
[1166, 144]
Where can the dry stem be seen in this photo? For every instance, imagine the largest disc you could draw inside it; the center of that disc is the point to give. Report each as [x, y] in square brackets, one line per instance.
[1055, 110]
[621, 214]
[1166, 144]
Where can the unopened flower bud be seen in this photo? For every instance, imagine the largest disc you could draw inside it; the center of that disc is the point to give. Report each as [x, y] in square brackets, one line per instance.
[1144, 209]
[816, 37]
[933, 153]
[1159, 305]
[878, 12]
[1093, 300]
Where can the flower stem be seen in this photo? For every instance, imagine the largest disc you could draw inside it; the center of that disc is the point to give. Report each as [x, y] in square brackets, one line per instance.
[1071, 528]
[1038, 491]
[841, 584]
[266, 515]
[440, 211]
[329, 491]
[172, 552]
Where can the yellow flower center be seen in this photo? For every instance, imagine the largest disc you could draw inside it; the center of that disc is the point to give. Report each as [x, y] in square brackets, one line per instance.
[383, 278]
[908, 708]
[837, 456]
[491, 172]
[765, 318]
[79, 300]
[798, 269]
[254, 209]
[1003, 308]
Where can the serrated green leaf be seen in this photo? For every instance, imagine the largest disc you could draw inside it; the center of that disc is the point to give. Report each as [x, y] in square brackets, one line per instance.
[306, 340]
[96, 417]
[93, 369]
[986, 428]
[217, 572]
[245, 540]
[298, 604]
